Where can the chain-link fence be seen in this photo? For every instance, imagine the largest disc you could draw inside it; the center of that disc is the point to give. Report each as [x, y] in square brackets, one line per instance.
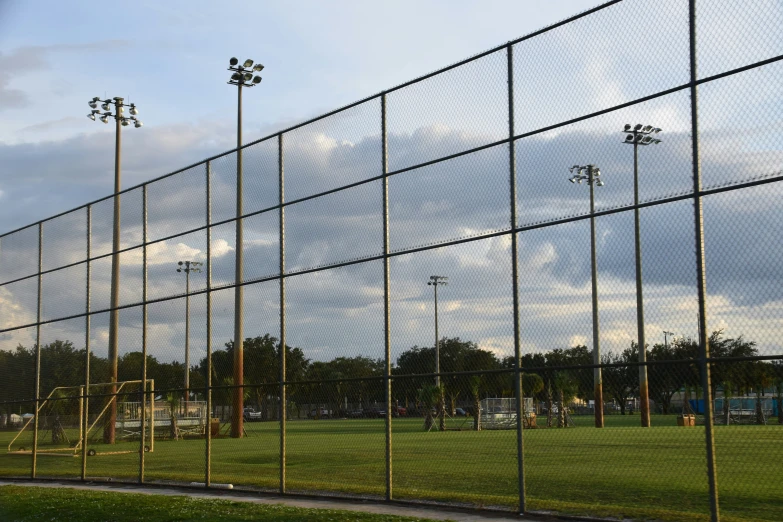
[428, 311]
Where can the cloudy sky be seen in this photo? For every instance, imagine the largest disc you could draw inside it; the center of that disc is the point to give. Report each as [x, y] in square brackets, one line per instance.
[171, 61]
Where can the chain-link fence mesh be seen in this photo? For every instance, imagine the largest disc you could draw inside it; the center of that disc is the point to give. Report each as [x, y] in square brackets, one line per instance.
[429, 311]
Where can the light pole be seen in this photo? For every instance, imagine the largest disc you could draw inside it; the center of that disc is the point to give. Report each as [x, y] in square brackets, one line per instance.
[665, 340]
[640, 135]
[592, 175]
[436, 281]
[104, 113]
[242, 76]
[188, 267]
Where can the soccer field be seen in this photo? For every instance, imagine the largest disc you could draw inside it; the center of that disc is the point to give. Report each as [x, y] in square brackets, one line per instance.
[621, 470]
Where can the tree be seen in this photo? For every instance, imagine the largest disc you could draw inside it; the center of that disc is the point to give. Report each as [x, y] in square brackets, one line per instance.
[428, 396]
[621, 382]
[664, 379]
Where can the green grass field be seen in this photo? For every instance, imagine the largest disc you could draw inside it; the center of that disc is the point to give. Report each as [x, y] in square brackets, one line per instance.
[621, 470]
[67, 505]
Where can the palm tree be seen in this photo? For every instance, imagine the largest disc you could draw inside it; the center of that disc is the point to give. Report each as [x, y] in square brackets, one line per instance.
[173, 402]
[429, 396]
[475, 389]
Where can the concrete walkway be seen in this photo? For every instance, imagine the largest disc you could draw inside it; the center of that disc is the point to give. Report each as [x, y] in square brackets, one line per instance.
[381, 508]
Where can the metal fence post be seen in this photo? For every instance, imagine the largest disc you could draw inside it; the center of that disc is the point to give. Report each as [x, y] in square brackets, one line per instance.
[281, 195]
[208, 390]
[85, 420]
[143, 419]
[700, 270]
[386, 302]
[515, 283]
[37, 351]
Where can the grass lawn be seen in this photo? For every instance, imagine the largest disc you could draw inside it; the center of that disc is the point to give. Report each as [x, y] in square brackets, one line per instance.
[20, 504]
[621, 470]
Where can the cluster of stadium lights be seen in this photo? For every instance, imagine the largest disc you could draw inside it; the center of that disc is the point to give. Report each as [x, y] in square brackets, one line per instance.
[242, 73]
[119, 109]
[580, 175]
[641, 134]
[190, 266]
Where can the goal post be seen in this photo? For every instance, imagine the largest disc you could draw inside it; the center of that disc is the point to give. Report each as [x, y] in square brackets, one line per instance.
[68, 420]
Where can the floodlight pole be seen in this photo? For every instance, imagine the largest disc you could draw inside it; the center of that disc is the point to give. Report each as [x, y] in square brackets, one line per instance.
[239, 79]
[114, 314]
[237, 420]
[598, 386]
[189, 266]
[436, 281]
[665, 340]
[644, 394]
[640, 135]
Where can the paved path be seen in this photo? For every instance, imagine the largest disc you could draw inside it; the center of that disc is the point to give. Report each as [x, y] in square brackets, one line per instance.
[426, 512]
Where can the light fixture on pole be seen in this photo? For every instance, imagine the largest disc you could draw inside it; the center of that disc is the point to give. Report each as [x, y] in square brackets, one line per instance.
[436, 281]
[665, 338]
[116, 104]
[241, 76]
[592, 176]
[640, 135]
[188, 267]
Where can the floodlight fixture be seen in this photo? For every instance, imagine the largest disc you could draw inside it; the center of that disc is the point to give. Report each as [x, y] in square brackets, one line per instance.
[138, 124]
[133, 110]
[638, 127]
[124, 123]
[92, 104]
[248, 63]
[91, 116]
[233, 61]
[258, 67]
[257, 80]
[627, 127]
[236, 76]
[105, 106]
[247, 76]
[105, 119]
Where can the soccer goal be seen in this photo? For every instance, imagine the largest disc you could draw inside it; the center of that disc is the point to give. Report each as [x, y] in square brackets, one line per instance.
[69, 416]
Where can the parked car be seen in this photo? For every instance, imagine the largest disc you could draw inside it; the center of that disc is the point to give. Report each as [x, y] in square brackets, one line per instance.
[251, 415]
[355, 414]
[459, 412]
[324, 413]
[399, 411]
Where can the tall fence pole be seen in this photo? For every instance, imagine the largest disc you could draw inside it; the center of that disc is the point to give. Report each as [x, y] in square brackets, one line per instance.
[700, 270]
[208, 390]
[143, 420]
[386, 299]
[37, 351]
[512, 173]
[85, 420]
[281, 195]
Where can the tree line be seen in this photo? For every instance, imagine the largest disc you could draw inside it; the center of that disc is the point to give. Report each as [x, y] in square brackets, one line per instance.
[554, 379]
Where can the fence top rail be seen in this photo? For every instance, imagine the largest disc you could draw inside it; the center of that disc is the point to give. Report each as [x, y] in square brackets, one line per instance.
[418, 79]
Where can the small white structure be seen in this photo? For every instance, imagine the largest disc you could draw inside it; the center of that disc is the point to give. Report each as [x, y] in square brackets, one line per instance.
[500, 413]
